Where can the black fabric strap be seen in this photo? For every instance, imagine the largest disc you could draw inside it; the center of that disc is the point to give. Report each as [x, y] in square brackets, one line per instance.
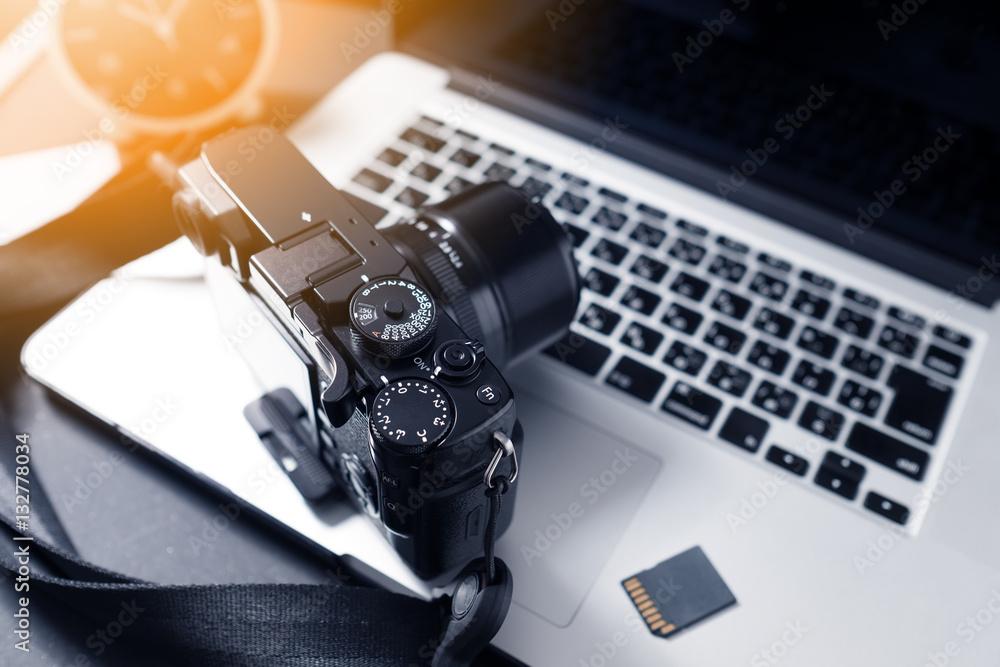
[226, 625]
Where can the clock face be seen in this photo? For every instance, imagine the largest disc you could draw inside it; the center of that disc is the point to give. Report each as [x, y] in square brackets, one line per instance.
[164, 59]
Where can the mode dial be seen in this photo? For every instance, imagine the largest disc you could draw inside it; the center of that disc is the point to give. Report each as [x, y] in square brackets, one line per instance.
[410, 416]
[393, 317]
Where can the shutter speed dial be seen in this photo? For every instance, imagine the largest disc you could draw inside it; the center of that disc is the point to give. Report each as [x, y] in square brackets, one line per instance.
[411, 416]
[393, 317]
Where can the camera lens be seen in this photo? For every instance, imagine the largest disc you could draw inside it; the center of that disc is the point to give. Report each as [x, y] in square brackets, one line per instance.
[498, 263]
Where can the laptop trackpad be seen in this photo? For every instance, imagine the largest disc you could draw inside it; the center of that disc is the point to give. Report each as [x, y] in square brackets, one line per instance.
[577, 490]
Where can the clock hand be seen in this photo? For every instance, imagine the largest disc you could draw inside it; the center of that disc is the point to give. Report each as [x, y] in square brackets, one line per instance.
[134, 13]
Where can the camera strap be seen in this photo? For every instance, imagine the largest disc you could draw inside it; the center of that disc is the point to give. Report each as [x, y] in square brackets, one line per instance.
[242, 624]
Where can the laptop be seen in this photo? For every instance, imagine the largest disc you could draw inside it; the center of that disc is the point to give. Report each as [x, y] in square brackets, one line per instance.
[786, 222]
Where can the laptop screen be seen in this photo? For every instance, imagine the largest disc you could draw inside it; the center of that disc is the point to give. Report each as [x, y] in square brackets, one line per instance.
[882, 115]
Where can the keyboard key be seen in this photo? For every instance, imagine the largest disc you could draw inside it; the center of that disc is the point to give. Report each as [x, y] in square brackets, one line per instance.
[682, 319]
[391, 157]
[600, 319]
[600, 282]
[730, 304]
[776, 324]
[824, 422]
[898, 341]
[811, 304]
[906, 317]
[581, 353]
[768, 357]
[633, 378]
[572, 203]
[744, 430]
[692, 405]
[854, 323]
[860, 398]
[818, 343]
[686, 251]
[651, 211]
[412, 198]
[575, 180]
[648, 236]
[640, 300]
[498, 172]
[535, 188]
[605, 217]
[691, 228]
[775, 400]
[421, 140]
[578, 235]
[920, 404]
[725, 338]
[888, 451]
[373, 181]
[729, 378]
[943, 361]
[642, 339]
[866, 300]
[790, 462]
[817, 280]
[840, 475]
[952, 336]
[502, 149]
[537, 164]
[464, 157]
[814, 378]
[426, 172]
[433, 121]
[730, 244]
[467, 135]
[611, 194]
[457, 186]
[890, 509]
[727, 269]
[609, 251]
[769, 286]
[774, 262]
[689, 286]
[651, 269]
[685, 358]
[861, 361]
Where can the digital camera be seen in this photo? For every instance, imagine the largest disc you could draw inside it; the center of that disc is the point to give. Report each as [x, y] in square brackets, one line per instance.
[399, 333]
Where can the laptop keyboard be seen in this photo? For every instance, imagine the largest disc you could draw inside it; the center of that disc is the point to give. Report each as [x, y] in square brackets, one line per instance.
[708, 330]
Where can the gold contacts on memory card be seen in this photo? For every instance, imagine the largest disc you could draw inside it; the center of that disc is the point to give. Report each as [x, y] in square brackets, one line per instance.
[678, 592]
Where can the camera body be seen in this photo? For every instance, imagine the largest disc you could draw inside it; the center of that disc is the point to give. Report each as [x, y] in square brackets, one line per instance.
[399, 335]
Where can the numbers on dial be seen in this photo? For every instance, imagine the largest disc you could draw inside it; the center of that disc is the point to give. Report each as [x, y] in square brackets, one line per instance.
[412, 413]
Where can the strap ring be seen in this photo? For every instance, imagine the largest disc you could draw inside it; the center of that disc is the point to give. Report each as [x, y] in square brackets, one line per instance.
[505, 448]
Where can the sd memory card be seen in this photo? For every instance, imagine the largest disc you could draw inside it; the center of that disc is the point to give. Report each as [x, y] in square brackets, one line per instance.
[678, 592]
